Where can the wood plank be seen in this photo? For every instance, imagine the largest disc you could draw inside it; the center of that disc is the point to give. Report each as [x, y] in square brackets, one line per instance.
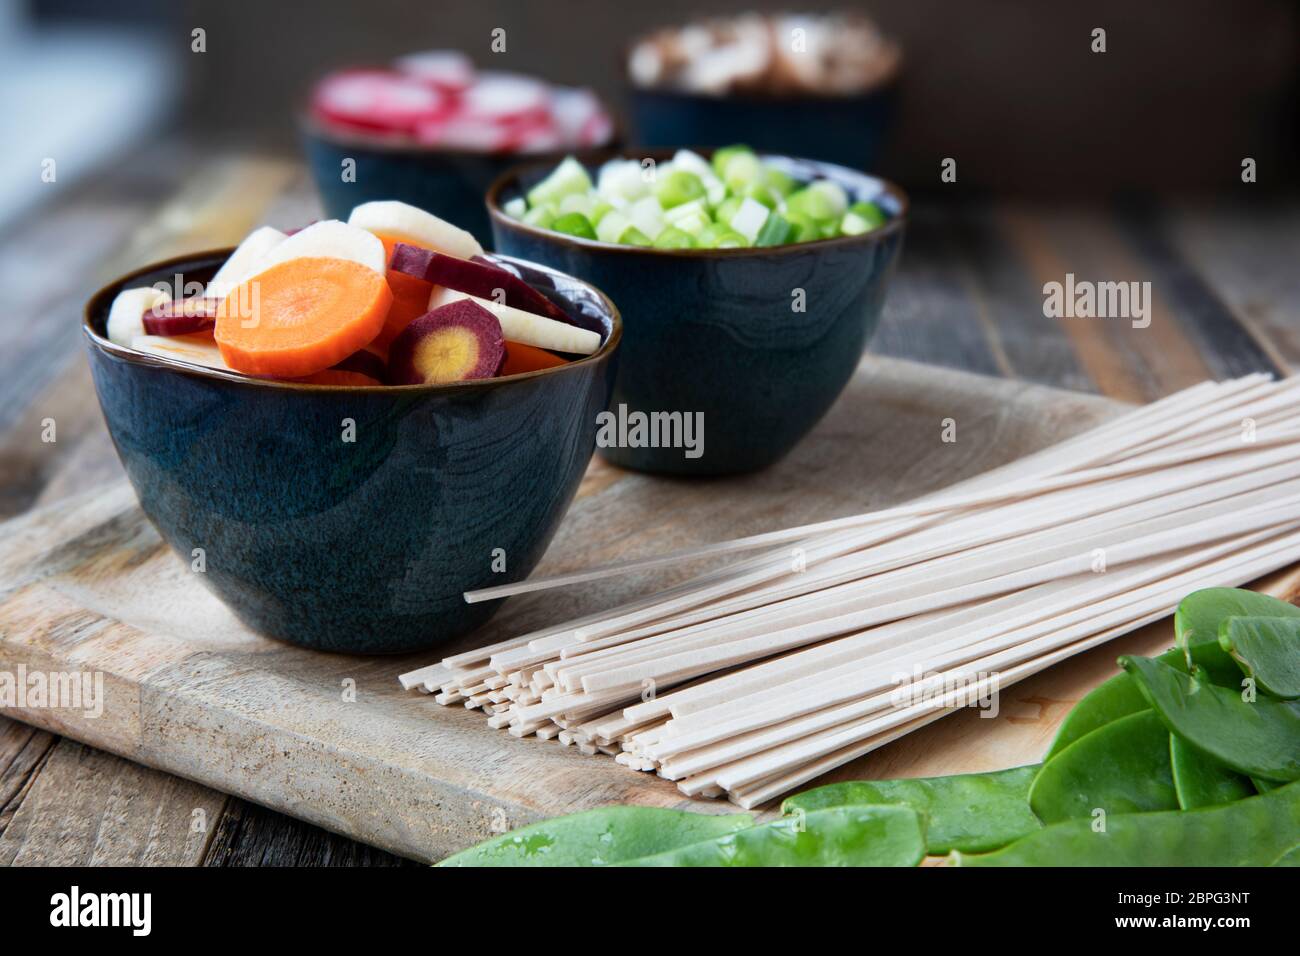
[89, 808]
[1247, 255]
[1227, 347]
[23, 751]
[249, 835]
[1110, 370]
[87, 585]
[1037, 349]
[1161, 356]
[935, 312]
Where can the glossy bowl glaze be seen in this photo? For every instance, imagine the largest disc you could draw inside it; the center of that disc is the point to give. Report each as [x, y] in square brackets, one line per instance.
[352, 519]
[760, 342]
[448, 183]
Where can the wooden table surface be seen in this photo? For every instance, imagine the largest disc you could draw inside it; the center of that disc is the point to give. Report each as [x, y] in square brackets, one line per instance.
[1226, 301]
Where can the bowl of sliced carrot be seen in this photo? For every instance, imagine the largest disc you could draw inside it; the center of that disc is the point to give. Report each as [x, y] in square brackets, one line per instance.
[342, 428]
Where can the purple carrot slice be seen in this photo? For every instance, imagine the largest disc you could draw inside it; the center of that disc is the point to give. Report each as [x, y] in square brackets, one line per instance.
[453, 343]
[182, 316]
[474, 277]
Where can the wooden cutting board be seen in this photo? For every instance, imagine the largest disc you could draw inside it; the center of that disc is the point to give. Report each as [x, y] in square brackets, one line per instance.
[87, 586]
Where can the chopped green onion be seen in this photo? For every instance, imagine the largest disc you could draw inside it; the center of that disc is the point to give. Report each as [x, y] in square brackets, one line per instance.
[733, 200]
[574, 224]
[782, 183]
[742, 171]
[728, 208]
[749, 219]
[634, 237]
[611, 226]
[722, 156]
[776, 231]
[869, 211]
[540, 216]
[679, 187]
[568, 177]
[674, 238]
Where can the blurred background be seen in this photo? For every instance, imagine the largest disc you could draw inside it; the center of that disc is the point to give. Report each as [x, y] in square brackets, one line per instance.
[1010, 87]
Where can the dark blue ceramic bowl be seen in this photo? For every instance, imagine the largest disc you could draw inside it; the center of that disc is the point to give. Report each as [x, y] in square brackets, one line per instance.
[718, 331]
[848, 130]
[360, 546]
[448, 183]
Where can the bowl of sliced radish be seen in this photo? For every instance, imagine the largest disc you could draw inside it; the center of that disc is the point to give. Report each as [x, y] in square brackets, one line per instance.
[432, 131]
[749, 284]
[343, 428]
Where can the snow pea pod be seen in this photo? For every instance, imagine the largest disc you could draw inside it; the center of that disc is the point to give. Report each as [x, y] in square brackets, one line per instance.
[1196, 627]
[1200, 780]
[1110, 700]
[1250, 832]
[840, 836]
[974, 812]
[1122, 767]
[1267, 649]
[1259, 739]
[599, 837]
[1290, 858]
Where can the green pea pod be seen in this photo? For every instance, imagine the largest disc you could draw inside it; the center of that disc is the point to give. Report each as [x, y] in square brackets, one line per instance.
[1200, 780]
[1290, 858]
[1251, 832]
[1110, 700]
[973, 812]
[1196, 626]
[1122, 767]
[1259, 739]
[1267, 649]
[599, 837]
[840, 836]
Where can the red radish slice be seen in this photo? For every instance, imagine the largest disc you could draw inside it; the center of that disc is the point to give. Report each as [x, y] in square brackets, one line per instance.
[574, 109]
[447, 70]
[478, 136]
[474, 278]
[378, 99]
[182, 316]
[506, 97]
[454, 343]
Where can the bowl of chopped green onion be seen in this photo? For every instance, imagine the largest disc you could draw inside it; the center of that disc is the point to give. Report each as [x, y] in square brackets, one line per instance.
[750, 285]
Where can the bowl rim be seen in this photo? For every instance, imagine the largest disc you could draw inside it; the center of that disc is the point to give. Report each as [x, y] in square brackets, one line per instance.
[101, 299]
[896, 224]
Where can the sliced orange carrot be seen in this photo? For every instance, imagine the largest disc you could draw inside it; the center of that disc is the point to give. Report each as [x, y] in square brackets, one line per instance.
[410, 299]
[301, 316]
[527, 358]
[338, 376]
